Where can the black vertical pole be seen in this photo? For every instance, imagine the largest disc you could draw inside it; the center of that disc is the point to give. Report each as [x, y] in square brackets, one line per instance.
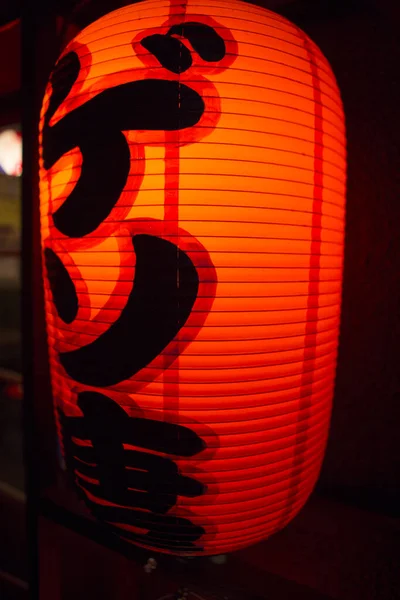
[39, 48]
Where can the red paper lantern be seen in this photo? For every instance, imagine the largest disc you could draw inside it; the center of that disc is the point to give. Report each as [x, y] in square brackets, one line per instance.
[192, 207]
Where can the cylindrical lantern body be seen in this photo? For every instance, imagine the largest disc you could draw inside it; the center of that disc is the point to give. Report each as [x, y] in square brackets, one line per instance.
[192, 207]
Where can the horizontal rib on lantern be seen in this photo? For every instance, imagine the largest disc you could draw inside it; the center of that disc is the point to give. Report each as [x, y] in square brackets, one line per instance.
[252, 196]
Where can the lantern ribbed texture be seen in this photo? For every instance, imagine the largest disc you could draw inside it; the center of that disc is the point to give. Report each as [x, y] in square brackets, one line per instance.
[252, 198]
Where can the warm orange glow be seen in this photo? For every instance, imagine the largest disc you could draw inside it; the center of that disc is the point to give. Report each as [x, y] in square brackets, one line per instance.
[193, 250]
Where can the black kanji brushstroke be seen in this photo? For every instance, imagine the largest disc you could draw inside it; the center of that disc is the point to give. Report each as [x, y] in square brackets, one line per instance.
[132, 478]
[204, 39]
[162, 297]
[172, 53]
[62, 287]
[96, 129]
[62, 79]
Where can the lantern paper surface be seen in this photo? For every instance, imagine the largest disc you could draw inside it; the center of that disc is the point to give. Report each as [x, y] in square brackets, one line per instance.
[192, 181]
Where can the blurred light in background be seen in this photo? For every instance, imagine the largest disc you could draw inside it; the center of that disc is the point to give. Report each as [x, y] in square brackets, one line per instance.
[10, 152]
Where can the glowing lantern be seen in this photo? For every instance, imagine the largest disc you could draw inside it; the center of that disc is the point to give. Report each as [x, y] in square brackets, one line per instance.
[192, 207]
